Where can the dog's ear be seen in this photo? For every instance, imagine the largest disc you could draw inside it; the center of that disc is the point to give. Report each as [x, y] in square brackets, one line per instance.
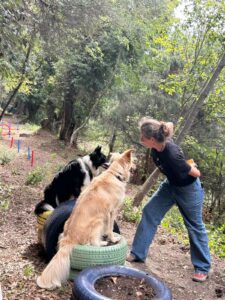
[128, 154]
[98, 149]
[114, 156]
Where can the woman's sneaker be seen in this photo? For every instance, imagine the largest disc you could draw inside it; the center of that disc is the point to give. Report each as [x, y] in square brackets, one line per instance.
[200, 277]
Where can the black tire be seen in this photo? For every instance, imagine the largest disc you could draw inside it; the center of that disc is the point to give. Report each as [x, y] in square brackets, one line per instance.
[83, 286]
[54, 226]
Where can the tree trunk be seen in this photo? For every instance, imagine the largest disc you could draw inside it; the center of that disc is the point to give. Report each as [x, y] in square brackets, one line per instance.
[75, 132]
[147, 161]
[68, 121]
[14, 93]
[112, 142]
[23, 72]
[68, 118]
[185, 128]
[151, 180]
[198, 104]
[21, 108]
[49, 122]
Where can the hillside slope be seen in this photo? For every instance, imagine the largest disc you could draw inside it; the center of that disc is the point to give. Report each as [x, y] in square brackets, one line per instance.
[20, 261]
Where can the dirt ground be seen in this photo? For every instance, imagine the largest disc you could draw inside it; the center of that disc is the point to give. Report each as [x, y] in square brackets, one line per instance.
[20, 262]
[123, 288]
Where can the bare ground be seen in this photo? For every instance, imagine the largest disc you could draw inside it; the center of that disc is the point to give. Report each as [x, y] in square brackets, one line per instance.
[20, 260]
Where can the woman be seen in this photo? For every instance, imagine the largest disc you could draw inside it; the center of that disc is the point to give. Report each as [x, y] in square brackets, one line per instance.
[181, 187]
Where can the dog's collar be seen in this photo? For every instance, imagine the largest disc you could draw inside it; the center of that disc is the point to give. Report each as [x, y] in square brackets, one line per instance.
[120, 177]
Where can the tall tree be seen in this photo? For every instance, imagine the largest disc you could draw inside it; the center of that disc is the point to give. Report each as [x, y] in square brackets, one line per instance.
[199, 39]
[186, 127]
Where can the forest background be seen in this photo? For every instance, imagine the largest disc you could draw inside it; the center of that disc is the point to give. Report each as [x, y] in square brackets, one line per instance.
[91, 69]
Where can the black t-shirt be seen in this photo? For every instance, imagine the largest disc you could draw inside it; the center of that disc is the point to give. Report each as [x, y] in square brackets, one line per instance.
[171, 162]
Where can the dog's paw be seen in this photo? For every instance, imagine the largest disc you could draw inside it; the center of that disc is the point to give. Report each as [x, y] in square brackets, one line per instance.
[103, 243]
[46, 286]
[115, 239]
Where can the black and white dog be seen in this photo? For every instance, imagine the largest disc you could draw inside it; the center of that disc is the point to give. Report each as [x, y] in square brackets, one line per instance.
[70, 180]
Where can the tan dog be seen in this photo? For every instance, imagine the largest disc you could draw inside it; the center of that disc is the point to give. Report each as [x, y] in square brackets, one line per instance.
[92, 217]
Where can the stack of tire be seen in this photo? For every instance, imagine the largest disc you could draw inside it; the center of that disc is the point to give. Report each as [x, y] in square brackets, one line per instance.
[90, 263]
[82, 256]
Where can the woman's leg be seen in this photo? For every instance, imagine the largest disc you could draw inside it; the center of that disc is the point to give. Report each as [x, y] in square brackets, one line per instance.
[189, 200]
[152, 214]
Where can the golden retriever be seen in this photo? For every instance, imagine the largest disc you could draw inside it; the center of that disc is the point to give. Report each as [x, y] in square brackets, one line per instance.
[91, 219]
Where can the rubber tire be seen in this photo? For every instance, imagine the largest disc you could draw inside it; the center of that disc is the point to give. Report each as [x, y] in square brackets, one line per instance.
[84, 256]
[83, 286]
[54, 226]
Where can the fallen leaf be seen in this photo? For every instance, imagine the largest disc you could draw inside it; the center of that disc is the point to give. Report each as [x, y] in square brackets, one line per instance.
[114, 279]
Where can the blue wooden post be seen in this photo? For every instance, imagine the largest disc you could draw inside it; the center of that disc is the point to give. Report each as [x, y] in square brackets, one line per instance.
[28, 153]
[18, 145]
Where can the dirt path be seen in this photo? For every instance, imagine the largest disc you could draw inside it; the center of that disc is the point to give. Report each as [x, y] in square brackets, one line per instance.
[20, 261]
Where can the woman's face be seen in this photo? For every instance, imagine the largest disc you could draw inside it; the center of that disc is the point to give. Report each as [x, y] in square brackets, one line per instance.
[149, 143]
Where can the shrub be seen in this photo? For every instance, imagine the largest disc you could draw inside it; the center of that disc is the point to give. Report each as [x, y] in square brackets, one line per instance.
[5, 196]
[5, 157]
[33, 128]
[35, 176]
[217, 240]
[173, 222]
[28, 271]
[4, 204]
[131, 213]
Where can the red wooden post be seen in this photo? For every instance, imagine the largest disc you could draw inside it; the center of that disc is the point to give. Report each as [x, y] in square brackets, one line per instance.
[32, 158]
[11, 142]
[9, 127]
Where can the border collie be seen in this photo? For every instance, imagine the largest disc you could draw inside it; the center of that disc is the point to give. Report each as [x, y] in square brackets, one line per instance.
[70, 180]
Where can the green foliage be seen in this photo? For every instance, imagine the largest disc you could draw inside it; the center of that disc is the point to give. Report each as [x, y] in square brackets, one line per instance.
[5, 195]
[217, 240]
[15, 171]
[28, 271]
[211, 162]
[173, 220]
[130, 213]
[4, 204]
[137, 57]
[32, 128]
[6, 156]
[35, 176]
[53, 156]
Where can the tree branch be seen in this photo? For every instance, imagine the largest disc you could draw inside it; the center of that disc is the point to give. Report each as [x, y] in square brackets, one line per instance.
[22, 76]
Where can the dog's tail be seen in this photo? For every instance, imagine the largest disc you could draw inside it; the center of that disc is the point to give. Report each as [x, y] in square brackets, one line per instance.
[49, 202]
[41, 207]
[57, 271]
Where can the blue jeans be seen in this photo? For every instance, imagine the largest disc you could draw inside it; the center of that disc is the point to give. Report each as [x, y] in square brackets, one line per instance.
[189, 200]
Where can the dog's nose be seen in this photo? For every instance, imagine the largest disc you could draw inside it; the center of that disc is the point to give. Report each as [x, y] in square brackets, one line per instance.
[106, 165]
